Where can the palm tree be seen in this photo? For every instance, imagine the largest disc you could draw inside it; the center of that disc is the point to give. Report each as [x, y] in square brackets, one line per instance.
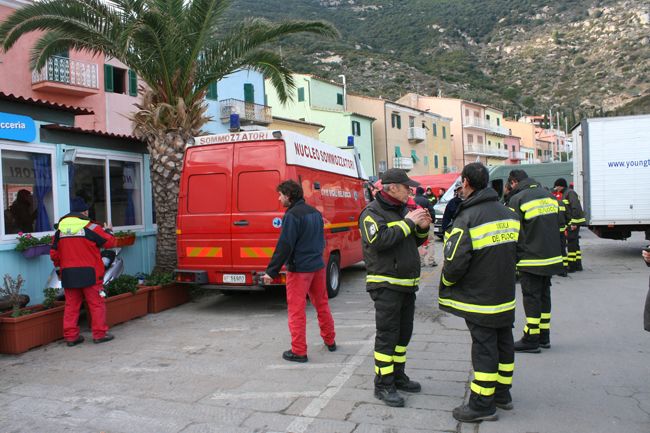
[178, 48]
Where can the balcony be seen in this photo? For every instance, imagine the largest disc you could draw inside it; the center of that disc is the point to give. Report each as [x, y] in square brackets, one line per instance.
[483, 150]
[249, 113]
[416, 135]
[517, 156]
[490, 128]
[402, 162]
[66, 76]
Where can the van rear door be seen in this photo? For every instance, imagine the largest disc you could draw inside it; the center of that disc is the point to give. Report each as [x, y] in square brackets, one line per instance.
[256, 212]
[204, 220]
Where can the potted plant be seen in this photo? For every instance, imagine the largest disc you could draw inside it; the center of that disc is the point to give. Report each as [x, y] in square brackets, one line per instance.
[164, 292]
[124, 238]
[32, 246]
[125, 300]
[22, 329]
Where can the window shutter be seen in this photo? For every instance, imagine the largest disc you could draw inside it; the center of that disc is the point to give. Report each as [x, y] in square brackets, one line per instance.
[444, 132]
[435, 130]
[339, 98]
[249, 93]
[108, 78]
[435, 161]
[212, 91]
[399, 122]
[133, 83]
[301, 94]
[414, 155]
[398, 152]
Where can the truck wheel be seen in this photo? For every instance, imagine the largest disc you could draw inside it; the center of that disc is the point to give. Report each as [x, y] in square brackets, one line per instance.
[333, 278]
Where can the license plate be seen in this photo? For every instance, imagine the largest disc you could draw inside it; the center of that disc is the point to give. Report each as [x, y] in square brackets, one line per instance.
[234, 278]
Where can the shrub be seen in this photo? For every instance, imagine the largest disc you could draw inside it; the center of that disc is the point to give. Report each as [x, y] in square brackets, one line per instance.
[122, 284]
[11, 289]
[27, 240]
[159, 278]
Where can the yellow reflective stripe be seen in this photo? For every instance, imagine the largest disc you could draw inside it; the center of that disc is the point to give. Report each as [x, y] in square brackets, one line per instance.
[72, 226]
[544, 326]
[507, 367]
[511, 208]
[504, 380]
[533, 320]
[481, 390]
[460, 236]
[539, 211]
[400, 349]
[577, 220]
[540, 262]
[531, 331]
[401, 224]
[399, 359]
[475, 308]
[562, 208]
[369, 219]
[422, 234]
[546, 316]
[383, 358]
[494, 233]
[445, 281]
[485, 377]
[383, 371]
[563, 228]
[546, 201]
[407, 282]
[565, 201]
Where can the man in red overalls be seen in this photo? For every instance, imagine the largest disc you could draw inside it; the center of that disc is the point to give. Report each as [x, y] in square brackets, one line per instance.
[76, 256]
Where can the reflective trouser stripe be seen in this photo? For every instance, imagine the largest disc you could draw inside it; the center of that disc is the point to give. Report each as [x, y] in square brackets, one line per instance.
[504, 380]
[532, 325]
[383, 371]
[578, 255]
[507, 367]
[480, 390]
[400, 354]
[383, 358]
[407, 282]
[485, 377]
[545, 321]
[504, 376]
[571, 256]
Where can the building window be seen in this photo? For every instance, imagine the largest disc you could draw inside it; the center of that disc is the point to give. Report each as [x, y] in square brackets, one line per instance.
[423, 125]
[487, 117]
[489, 142]
[470, 139]
[435, 130]
[539, 152]
[479, 139]
[118, 80]
[477, 114]
[212, 91]
[414, 156]
[339, 98]
[498, 121]
[466, 113]
[435, 161]
[444, 132]
[396, 121]
[27, 197]
[249, 93]
[411, 122]
[398, 152]
[356, 128]
[426, 160]
[111, 186]
[444, 161]
[301, 94]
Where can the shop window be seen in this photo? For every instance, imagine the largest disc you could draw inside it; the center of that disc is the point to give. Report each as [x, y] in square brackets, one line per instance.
[92, 179]
[27, 195]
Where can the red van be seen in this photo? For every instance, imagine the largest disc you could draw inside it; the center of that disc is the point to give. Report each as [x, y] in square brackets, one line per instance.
[229, 216]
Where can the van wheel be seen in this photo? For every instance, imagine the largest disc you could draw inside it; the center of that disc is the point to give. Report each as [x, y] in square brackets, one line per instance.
[333, 278]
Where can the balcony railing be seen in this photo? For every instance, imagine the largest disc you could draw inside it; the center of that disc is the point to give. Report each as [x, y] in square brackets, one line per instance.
[517, 155]
[61, 72]
[483, 150]
[403, 162]
[474, 122]
[417, 134]
[249, 113]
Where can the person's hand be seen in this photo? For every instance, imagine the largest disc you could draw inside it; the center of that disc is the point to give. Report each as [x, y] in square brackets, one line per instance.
[426, 221]
[266, 279]
[417, 215]
[646, 256]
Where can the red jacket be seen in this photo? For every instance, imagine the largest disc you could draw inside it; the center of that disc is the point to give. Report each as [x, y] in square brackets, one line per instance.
[76, 251]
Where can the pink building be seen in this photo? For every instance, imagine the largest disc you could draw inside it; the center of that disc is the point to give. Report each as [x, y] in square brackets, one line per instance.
[513, 145]
[78, 79]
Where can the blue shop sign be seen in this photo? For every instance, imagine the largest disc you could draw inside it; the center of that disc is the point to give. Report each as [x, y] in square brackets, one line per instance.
[17, 128]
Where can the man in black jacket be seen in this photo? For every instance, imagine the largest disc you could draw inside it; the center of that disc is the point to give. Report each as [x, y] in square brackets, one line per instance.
[452, 206]
[300, 246]
[539, 256]
[478, 284]
[426, 250]
[390, 238]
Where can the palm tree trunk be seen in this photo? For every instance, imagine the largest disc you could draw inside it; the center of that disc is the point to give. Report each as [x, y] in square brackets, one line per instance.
[166, 164]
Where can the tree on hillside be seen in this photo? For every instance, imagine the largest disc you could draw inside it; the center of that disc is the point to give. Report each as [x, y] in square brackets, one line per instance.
[178, 48]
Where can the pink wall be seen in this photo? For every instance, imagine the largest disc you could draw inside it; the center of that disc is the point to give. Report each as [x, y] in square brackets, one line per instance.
[16, 78]
[511, 140]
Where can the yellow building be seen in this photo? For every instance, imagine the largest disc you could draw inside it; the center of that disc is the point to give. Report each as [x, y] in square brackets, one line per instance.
[301, 127]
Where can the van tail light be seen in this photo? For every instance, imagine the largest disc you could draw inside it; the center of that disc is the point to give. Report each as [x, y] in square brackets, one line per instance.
[280, 279]
[187, 276]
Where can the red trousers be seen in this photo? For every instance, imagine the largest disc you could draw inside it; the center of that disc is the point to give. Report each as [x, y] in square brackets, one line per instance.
[299, 285]
[96, 305]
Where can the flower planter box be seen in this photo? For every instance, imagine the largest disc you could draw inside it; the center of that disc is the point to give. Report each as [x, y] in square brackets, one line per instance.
[19, 334]
[127, 306]
[124, 241]
[36, 251]
[167, 296]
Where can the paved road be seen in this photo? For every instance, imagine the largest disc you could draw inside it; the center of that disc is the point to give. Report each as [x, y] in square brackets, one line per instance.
[215, 365]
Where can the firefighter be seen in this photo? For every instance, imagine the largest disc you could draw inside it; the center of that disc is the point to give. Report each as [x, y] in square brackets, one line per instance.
[391, 235]
[539, 256]
[76, 255]
[482, 239]
[575, 218]
[562, 221]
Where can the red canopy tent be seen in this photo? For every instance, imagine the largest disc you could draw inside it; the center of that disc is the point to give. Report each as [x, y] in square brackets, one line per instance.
[435, 181]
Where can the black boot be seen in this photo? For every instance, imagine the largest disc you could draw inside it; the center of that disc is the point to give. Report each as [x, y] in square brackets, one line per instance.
[545, 338]
[503, 400]
[403, 382]
[527, 346]
[389, 394]
[466, 413]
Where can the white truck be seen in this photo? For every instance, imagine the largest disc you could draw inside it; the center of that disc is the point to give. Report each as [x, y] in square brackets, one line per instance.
[611, 165]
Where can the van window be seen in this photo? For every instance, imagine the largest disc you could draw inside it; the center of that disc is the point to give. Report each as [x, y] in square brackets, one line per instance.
[497, 185]
[256, 191]
[206, 193]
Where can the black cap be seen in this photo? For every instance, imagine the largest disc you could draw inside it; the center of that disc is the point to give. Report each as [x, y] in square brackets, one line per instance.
[397, 175]
[560, 182]
[77, 204]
